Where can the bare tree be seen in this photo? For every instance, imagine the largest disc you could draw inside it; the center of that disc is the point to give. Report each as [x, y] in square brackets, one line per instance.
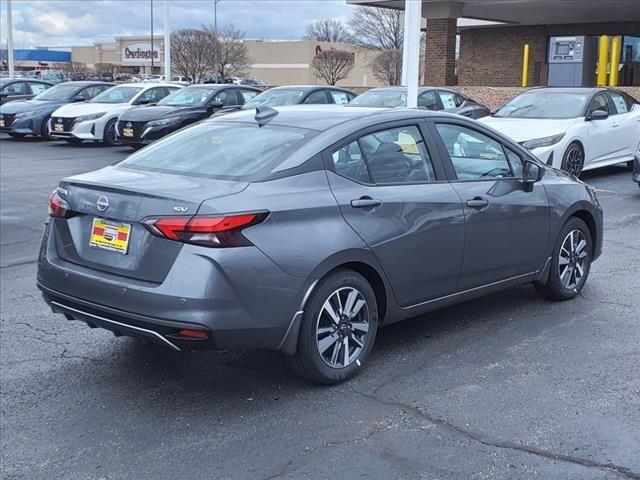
[378, 28]
[191, 53]
[333, 65]
[326, 30]
[73, 70]
[232, 54]
[104, 69]
[387, 66]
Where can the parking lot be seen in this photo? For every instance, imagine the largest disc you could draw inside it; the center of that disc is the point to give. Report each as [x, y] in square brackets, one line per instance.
[510, 386]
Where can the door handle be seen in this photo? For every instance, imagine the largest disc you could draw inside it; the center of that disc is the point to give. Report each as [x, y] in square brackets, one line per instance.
[478, 203]
[615, 124]
[366, 202]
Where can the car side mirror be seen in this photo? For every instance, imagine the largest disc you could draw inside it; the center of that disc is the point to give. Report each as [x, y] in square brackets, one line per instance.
[213, 106]
[598, 115]
[78, 99]
[143, 101]
[532, 173]
[493, 111]
[4, 94]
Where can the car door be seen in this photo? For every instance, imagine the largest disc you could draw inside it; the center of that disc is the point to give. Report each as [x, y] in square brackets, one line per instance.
[393, 193]
[599, 146]
[626, 126]
[506, 223]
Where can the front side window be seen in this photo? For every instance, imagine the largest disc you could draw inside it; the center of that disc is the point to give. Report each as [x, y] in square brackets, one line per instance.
[398, 155]
[599, 102]
[428, 100]
[38, 88]
[226, 150]
[619, 102]
[474, 155]
[153, 95]
[317, 97]
[339, 98]
[119, 94]
[227, 98]
[349, 162]
[247, 95]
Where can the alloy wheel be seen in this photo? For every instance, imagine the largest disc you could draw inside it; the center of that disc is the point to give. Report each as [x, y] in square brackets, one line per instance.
[342, 327]
[572, 259]
[574, 160]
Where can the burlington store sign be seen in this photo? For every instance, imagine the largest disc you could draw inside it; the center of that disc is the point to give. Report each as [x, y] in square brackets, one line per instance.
[140, 53]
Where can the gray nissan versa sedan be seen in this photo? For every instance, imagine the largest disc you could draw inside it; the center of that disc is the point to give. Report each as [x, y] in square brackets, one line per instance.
[305, 229]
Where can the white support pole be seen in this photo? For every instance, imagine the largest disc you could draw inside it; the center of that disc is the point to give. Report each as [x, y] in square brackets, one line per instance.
[167, 43]
[10, 41]
[403, 81]
[411, 57]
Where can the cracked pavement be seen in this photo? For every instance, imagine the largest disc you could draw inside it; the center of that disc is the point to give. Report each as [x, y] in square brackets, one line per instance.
[509, 386]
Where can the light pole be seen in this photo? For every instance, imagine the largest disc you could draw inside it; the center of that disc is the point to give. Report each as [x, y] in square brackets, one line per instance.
[152, 62]
[215, 34]
[10, 41]
[167, 43]
[411, 45]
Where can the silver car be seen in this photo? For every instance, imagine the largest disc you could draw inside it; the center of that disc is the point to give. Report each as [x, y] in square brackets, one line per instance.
[304, 229]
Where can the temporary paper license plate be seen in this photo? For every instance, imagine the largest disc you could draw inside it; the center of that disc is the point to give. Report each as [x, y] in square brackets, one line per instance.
[58, 127]
[127, 132]
[110, 235]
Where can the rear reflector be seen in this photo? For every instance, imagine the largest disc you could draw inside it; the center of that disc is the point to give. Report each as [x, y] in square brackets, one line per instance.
[224, 231]
[194, 334]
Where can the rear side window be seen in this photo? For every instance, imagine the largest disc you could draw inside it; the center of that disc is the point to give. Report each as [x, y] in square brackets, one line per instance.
[38, 88]
[450, 99]
[349, 162]
[619, 102]
[398, 155]
[226, 150]
[339, 98]
[474, 155]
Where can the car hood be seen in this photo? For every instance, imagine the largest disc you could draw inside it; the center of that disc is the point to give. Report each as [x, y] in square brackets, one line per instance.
[138, 114]
[522, 129]
[78, 109]
[20, 106]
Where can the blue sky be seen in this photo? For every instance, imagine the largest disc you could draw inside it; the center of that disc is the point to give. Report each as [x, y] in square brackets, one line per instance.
[81, 22]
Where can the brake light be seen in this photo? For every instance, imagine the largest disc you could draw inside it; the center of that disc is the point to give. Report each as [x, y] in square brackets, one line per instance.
[224, 231]
[58, 208]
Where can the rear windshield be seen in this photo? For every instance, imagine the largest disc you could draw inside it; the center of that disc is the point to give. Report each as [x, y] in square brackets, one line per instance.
[226, 150]
[276, 98]
[61, 93]
[119, 94]
[546, 104]
[381, 98]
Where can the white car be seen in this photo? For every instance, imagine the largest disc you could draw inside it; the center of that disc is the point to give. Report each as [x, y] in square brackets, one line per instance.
[96, 119]
[575, 129]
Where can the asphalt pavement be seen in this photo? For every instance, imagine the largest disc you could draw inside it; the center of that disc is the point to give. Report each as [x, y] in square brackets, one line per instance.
[510, 386]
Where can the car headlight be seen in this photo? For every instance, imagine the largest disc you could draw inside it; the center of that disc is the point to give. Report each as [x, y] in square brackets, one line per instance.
[30, 113]
[93, 116]
[593, 194]
[164, 122]
[542, 142]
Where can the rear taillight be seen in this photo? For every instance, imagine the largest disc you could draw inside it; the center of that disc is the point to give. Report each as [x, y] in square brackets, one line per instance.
[58, 207]
[221, 231]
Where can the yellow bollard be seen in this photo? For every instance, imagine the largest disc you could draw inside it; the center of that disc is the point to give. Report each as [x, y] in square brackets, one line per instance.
[603, 59]
[525, 65]
[615, 61]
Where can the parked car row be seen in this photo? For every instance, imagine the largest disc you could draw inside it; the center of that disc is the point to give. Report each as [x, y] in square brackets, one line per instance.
[574, 129]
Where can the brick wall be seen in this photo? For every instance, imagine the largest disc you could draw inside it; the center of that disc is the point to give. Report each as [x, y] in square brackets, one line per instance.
[440, 61]
[493, 56]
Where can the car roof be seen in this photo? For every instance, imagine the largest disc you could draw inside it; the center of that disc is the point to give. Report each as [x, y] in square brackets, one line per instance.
[404, 89]
[308, 87]
[321, 117]
[591, 90]
[147, 85]
[87, 83]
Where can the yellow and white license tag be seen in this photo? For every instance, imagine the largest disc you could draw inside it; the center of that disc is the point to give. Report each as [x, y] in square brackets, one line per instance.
[127, 132]
[58, 127]
[108, 235]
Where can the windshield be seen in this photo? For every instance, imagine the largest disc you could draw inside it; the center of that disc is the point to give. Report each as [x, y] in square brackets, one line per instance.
[228, 150]
[187, 97]
[545, 104]
[381, 98]
[275, 98]
[121, 94]
[60, 93]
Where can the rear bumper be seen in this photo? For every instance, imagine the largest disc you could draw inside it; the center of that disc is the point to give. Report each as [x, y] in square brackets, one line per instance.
[210, 290]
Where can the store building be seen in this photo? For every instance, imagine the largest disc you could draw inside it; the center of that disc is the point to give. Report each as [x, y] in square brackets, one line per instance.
[36, 59]
[492, 54]
[133, 54]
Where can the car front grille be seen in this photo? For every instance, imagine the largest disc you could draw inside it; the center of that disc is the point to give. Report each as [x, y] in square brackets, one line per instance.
[8, 120]
[137, 127]
[67, 123]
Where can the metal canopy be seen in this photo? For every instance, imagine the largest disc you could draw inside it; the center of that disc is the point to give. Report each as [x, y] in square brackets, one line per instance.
[524, 12]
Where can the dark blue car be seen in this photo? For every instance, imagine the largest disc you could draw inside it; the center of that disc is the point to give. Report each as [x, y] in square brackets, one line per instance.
[30, 117]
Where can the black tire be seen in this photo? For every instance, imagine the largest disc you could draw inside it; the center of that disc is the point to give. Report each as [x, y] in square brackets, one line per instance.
[109, 134]
[44, 129]
[555, 288]
[16, 135]
[573, 159]
[73, 141]
[308, 361]
[630, 165]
